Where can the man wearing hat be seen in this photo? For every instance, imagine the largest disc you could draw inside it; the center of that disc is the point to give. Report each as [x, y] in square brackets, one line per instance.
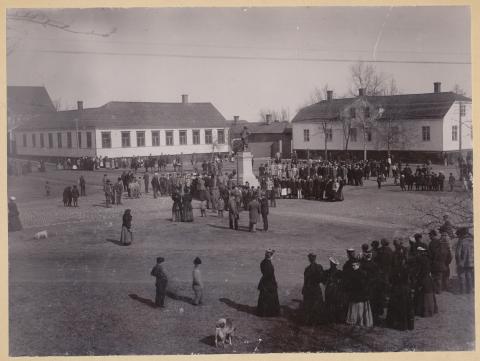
[197, 284]
[351, 258]
[312, 293]
[253, 213]
[464, 259]
[268, 304]
[160, 283]
[264, 211]
[14, 223]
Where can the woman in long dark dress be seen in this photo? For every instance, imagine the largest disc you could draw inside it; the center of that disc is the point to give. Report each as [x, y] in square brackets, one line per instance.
[187, 206]
[126, 237]
[313, 306]
[14, 223]
[176, 207]
[424, 299]
[268, 303]
[339, 192]
[400, 312]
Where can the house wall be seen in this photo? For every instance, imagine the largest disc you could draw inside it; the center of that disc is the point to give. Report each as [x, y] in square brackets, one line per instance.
[117, 151]
[452, 119]
[55, 151]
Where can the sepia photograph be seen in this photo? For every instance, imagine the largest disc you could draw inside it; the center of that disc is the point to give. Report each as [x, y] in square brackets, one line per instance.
[239, 180]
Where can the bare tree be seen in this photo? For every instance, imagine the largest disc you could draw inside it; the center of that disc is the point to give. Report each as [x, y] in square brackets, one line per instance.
[458, 90]
[366, 76]
[347, 125]
[283, 114]
[40, 18]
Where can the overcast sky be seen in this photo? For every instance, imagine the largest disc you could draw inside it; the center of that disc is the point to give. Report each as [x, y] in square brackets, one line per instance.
[240, 59]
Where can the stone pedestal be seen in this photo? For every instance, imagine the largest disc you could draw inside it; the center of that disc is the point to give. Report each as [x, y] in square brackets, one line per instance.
[244, 169]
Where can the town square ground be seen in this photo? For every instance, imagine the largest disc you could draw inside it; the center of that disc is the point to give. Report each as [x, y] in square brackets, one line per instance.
[80, 293]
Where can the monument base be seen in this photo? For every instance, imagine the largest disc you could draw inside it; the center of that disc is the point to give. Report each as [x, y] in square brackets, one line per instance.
[245, 170]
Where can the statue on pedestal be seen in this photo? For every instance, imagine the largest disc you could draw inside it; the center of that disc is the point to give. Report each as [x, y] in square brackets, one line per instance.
[244, 136]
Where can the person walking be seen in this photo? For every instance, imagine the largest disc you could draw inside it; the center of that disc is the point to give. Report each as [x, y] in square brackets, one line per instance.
[14, 223]
[197, 284]
[264, 211]
[126, 236]
[233, 212]
[161, 282]
[268, 304]
[253, 213]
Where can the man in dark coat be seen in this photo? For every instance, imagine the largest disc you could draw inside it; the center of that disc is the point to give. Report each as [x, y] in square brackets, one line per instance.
[441, 257]
[312, 293]
[233, 211]
[264, 211]
[268, 303]
[160, 283]
[146, 180]
[253, 213]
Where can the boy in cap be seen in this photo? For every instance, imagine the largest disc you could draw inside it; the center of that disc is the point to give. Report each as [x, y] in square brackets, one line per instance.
[160, 283]
[197, 284]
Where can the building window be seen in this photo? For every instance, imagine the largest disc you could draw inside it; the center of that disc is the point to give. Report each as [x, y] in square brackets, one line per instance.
[50, 140]
[208, 136]
[366, 112]
[42, 140]
[155, 138]
[106, 140]
[89, 140]
[125, 139]
[196, 136]
[426, 134]
[59, 140]
[141, 139]
[34, 140]
[353, 113]
[221, 136]
[353, 134]
[306, 135]
[69, 139]
[454, 133]
[329, 134]
[169, 137]
[79, 140]
[24, 140]
[462, 110]
[183, 137]
[369, 135]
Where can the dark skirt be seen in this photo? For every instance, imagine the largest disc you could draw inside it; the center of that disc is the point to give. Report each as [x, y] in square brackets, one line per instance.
[126, 236]
[400, 312]
[188, 213]
[176, 212]
[268, 303]
[14, 224]
[313, 307]
[336, 305]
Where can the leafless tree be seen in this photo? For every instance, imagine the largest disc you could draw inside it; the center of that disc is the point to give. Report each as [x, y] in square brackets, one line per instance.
[366, 76]
[458, 90]
[283, 114]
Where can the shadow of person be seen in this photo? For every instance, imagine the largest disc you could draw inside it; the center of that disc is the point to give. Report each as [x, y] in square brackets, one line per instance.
[239, 307]
[177, 297]
[240, 228]
[145, 301]
[208, 340]
[116, 241]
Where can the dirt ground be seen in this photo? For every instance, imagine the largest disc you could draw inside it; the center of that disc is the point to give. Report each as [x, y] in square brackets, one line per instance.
[80, 293]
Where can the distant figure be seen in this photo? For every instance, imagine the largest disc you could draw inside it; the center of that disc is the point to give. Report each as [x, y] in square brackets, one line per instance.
[197, 284]
[160, 282]
[81, 181]
[14, 223]
[47, 189]
[126, 236]
[67, 196]
[254, 213]
[75, 195]
[268, 303]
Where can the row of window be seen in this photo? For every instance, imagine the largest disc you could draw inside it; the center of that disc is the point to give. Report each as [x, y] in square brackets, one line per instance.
[353, 134]
[59, 140]
[169, 139]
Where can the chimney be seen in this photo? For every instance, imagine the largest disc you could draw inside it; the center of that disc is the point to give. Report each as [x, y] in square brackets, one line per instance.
[268, 118]
[80, 105]
[236, 118]
[361, 92]
[329, 94]
[184, 98]
[437, 87]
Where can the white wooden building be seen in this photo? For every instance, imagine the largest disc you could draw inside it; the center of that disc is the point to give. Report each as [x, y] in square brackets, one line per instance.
[431, 125]
[126, 129]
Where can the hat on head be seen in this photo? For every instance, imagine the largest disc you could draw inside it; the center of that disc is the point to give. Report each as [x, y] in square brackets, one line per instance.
[12, 198]
[421, 249]
[384, 242]
[443, 229]
[269, 251]
[312, 255]
[333, 260]
[417, 236]
[365, 247]
[160, 259]
[432, 233]
[374, 244]
[462, 231]
[197, 260]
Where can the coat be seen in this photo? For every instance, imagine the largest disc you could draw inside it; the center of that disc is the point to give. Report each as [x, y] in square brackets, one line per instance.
[464, 252]
[253, 211]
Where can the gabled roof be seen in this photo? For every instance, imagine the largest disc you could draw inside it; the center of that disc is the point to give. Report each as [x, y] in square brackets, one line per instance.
[25, 103]
[138, 115]
[261, 127]
[400, 107]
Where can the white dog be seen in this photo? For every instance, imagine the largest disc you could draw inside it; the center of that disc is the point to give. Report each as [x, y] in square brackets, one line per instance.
[41, 235]
[224, 331]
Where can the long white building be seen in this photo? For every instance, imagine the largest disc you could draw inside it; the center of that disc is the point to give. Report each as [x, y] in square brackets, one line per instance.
[422, 126]
[126, 129]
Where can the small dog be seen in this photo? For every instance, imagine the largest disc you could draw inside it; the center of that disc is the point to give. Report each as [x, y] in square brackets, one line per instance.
[41, 235]
[224, 331]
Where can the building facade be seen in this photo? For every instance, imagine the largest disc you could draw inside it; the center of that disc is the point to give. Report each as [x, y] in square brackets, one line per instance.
[126, 129]
[411, 126]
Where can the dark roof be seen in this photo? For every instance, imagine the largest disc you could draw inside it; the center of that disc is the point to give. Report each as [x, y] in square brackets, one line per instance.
[261, 127]
[405, 106]
[114, 115]
[25, 103]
